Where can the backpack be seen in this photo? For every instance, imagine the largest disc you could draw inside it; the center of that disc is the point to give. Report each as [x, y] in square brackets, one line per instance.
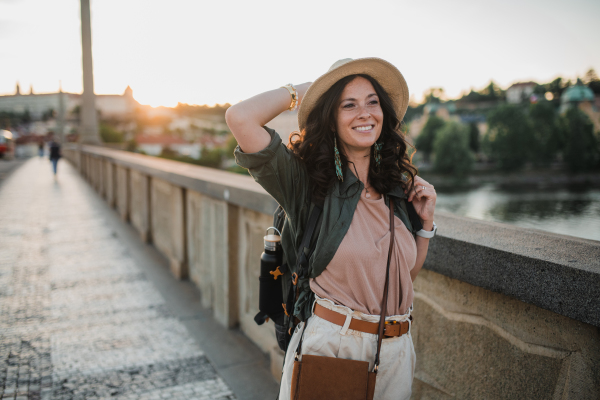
[277, 300]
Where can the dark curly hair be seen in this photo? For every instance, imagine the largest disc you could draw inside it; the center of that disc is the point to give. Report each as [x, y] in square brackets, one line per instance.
[314, 145]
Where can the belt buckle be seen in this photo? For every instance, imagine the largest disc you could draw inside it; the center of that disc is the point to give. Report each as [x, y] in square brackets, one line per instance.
[393, 324]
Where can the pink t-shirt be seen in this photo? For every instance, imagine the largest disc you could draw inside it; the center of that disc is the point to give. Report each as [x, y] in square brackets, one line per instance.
[355, 277]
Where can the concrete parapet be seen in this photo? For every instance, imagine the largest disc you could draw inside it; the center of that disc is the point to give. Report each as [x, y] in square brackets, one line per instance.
[122, 191]
[211, 260]
[109, 179]
[555, 272]
[139, 203]
[500, 311]
[168, 224]
[474, 343]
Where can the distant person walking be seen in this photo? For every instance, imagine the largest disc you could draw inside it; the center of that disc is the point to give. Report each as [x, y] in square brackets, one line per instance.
[54, 154]
[41, 148]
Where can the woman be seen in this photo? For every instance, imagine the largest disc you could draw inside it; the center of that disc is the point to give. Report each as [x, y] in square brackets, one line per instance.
[350, 156]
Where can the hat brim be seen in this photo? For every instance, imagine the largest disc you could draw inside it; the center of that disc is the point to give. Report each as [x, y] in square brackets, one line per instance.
[388, 76]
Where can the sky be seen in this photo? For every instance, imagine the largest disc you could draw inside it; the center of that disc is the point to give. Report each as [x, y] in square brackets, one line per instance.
[207, 52]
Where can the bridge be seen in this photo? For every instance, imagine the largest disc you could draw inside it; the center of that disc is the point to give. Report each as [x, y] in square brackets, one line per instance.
[148, 275]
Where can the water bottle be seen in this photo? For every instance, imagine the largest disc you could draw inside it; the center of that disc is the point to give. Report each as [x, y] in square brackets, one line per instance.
[270, 295]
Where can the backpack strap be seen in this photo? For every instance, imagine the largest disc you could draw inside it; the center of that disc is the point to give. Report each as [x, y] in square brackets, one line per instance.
[414, 218]
[302, 258]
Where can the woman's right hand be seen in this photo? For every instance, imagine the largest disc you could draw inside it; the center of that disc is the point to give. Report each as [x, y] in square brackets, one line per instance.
[247, 118]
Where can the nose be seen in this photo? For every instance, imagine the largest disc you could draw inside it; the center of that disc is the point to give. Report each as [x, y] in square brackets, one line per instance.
[364, 113]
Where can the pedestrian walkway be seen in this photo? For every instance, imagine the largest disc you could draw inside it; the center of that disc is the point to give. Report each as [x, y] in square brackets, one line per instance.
[88, 311]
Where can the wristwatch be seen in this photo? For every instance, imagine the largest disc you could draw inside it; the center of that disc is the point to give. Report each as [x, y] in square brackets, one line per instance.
[427, 234]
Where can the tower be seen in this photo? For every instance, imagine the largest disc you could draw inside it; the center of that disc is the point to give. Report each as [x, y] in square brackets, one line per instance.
[60, 126]
[89, 119]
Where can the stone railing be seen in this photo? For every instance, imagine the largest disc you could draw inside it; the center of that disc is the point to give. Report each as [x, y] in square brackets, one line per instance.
[500, 311]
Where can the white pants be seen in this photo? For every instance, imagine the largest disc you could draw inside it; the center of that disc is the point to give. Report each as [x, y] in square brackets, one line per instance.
[323, 338]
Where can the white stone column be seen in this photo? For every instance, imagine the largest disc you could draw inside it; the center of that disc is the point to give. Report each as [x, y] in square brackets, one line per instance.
[89, 119]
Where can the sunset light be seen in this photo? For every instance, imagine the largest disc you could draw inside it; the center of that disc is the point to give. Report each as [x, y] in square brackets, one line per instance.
[250, 200]
[219, 52]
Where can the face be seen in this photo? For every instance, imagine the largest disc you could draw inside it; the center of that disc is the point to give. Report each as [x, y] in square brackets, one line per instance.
[359, 116]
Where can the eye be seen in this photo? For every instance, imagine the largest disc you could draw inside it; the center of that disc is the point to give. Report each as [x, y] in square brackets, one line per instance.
[348, 105]
[374, 102]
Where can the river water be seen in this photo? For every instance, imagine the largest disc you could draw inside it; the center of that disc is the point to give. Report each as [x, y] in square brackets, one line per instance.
[564, 211]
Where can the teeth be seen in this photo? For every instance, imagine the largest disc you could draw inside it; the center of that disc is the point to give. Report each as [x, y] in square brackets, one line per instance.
[364, 128]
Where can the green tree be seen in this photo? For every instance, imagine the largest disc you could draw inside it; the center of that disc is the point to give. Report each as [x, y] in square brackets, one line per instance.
[434, 95]
[131, 145]
[581, 152]
[547, 132]
[110, 134]
[413, 112]
[474, 137]
[509, 137]
[169, 153]
[591, 79]
[211, 158]
[230, 147]
[424, 142]
[451, 148]
[492, 91]
[556, 87]
[26, 118]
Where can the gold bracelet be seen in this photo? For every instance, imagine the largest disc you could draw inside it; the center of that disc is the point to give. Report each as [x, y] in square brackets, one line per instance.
[294, 103]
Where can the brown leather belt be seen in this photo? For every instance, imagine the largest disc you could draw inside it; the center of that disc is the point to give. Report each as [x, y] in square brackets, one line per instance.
[391, 328]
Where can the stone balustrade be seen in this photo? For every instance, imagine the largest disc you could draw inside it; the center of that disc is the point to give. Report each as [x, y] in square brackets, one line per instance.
[499, 311]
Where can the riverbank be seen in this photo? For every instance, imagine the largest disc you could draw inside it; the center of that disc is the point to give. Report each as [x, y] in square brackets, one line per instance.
[528, 179]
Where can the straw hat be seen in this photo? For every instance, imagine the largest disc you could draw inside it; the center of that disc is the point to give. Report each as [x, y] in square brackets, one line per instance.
[382, 71]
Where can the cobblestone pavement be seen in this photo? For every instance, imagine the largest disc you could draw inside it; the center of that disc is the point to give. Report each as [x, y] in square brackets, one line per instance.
[78, 317]
[7, 166]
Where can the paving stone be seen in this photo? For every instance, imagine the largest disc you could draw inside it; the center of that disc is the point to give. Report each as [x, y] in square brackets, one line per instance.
[79, 319]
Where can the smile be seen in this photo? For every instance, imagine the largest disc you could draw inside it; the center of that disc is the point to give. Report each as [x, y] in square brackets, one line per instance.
[363, 128]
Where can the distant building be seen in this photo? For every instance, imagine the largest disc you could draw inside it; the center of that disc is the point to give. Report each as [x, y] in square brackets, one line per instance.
[115, 105]
[154, 144]
[285, 124]
[520, 91]
[210, 142]
[109, 105]
[581, 96]
[193, 128]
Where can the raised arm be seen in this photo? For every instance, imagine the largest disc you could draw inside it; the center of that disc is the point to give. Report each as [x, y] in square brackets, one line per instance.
[247, 118]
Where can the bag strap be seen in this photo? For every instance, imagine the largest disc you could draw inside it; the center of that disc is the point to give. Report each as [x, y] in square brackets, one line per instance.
[279, 218]
[386, 287]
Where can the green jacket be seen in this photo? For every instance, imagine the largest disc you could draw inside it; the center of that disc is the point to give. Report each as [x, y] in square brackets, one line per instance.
[285, 178]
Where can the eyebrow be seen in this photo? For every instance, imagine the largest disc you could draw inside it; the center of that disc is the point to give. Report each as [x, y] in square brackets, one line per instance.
[353, 99]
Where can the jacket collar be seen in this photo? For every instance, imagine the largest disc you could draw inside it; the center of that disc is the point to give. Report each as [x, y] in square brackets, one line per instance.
[342, 188]
[349, 180]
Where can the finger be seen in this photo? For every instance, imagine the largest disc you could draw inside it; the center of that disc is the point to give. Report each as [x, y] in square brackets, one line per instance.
[426, 193]
[412, 196]
[417, 192]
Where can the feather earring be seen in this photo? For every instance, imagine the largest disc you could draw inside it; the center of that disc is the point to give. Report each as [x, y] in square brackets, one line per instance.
[338, 161]
[377, 153]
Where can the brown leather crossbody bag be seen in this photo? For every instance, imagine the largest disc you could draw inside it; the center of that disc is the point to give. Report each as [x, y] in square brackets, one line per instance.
[320, 377]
